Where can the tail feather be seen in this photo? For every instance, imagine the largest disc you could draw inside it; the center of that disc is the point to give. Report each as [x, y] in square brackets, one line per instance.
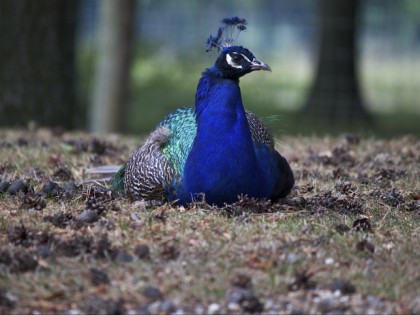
[107, 169]
[99, 180]
[108, 173]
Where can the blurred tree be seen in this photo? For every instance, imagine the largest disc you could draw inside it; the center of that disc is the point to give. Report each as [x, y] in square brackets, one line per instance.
[335, 94]
[37, 62]
[110, 93]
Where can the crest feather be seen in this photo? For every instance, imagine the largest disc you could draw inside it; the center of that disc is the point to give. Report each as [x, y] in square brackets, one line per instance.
[225, 34]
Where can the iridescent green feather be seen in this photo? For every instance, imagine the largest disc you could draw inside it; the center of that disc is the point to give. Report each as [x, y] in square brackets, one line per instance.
[183, 127]
[118, 179]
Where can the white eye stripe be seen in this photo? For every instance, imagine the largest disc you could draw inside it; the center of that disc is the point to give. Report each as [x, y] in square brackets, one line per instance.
[231, 63]
[245, 57]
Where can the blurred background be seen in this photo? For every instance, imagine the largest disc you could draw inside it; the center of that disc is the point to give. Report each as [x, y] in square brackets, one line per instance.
[121, 66]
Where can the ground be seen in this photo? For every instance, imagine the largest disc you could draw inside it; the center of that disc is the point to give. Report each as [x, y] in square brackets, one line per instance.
[344, 241]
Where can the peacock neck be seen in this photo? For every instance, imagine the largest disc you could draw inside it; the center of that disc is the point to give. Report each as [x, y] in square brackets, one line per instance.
[222, 162]
[219, 110]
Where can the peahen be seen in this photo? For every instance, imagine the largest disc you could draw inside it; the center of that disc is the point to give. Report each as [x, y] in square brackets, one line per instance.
[216, 150]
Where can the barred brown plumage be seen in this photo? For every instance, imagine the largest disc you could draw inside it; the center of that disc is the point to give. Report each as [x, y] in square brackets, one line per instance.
[148, 172]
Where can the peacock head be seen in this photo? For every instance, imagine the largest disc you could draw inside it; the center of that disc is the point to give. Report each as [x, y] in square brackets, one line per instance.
[233, 61]
[236, 61]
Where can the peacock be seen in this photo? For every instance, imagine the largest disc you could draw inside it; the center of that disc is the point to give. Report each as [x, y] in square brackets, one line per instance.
[216, 150]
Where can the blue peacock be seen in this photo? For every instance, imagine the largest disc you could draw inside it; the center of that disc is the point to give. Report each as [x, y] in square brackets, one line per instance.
[216, 150]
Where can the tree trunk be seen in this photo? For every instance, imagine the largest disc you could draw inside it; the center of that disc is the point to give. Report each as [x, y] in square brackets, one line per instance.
[37, 62]
[110, 95]
[335, 94]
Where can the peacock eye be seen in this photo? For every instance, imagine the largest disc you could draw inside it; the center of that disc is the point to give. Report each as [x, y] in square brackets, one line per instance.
[237, 58]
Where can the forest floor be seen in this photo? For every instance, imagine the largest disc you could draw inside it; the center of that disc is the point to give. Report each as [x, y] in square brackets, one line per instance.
[345, 241]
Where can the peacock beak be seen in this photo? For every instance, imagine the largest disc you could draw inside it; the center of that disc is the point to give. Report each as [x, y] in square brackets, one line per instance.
[259, 65]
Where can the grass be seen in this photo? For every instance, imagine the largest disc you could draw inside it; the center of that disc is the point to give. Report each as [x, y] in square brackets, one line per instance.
[350, 223]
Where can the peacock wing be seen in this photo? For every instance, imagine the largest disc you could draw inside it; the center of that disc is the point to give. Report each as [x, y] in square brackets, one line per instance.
[183, 128]
[148, 172]
[284, 181]
[259, 131]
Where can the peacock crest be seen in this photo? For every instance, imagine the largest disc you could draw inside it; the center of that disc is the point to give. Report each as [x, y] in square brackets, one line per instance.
[227, 34]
